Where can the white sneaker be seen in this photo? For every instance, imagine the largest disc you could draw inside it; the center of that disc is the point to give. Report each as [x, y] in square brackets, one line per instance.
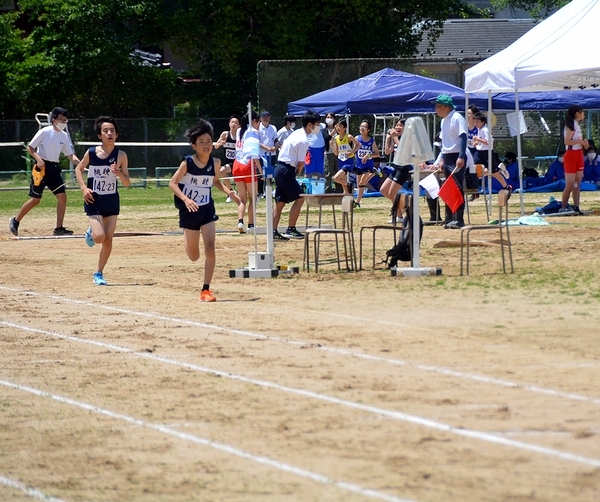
[228, 199]
[241, 228]
[398, 220]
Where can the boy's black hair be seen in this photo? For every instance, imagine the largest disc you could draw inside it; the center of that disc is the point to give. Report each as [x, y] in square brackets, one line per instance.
[56, 111]
[202, 127]
[480, 116]
[310, 117]
[236, 116]
[289, 118]
[101, 120]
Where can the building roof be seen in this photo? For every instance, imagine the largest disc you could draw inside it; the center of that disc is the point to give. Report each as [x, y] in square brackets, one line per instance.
[475, 38]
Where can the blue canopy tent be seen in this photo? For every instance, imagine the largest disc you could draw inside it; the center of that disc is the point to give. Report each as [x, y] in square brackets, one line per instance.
[385, 91]
[394, 91]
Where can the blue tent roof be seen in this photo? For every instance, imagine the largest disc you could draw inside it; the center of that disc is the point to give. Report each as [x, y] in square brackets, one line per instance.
[385, 91]
[394, 91]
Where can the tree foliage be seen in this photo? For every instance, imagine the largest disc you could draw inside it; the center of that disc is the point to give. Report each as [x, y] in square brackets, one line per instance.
[76, 53]
[538, 9]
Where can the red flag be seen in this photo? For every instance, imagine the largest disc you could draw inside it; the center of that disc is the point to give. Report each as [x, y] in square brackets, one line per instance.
[451, 194]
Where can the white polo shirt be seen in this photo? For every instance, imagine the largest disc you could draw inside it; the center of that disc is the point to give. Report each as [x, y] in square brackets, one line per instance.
[49, 143]
[294, 148]
[453, 125]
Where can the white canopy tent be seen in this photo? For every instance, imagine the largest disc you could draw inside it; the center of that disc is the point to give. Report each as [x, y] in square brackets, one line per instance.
[556, 54]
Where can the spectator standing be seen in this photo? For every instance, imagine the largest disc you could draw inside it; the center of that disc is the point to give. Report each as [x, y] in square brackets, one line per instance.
[331, 160]
[289, 124]
[290, 162]
[574, 163]
[453, 133]
[45, 147]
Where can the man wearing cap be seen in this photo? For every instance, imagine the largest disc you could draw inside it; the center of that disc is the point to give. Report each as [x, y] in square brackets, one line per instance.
[453, 133]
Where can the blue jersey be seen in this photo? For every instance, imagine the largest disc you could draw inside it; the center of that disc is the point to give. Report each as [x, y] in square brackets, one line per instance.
[365, 149]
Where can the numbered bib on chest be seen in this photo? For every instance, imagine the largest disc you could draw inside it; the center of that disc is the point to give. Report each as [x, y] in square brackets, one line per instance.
[197, 188]
[104, 181]
[363, 153]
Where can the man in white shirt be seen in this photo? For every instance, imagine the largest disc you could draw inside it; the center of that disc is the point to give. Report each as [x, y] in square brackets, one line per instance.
[267, 133]
[287, 129]
[290, 163]
[453, 133]
[46, 147]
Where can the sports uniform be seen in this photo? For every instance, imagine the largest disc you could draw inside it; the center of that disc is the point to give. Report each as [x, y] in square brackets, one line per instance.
[365, 150]
[573, 160]
[242, 166]
[196, 184]
[103, 182]
[345, 153]
[229, 148]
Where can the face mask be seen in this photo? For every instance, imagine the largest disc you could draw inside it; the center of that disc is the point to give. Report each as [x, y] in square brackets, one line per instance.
[292, 125]
[316, 129]
[60, 126]
[592, 155]
[560, 159]
[329, 121]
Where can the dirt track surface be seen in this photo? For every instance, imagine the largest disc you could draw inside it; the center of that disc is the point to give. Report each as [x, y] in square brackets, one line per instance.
[333, 386]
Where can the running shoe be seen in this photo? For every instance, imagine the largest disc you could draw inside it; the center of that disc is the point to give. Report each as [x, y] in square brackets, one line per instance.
[241, 227]
[62, 231]
[207, 296]
[99, 279]
[228, 199]
[292, 233]
[89, 240]
[13, 224]
[278, 237]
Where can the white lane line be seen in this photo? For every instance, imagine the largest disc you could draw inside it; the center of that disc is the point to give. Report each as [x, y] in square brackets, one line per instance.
[231, 450]
[32, 492]
[397, 362]
[395, 415]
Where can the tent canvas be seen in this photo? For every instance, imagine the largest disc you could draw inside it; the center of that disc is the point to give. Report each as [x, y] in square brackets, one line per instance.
[385, 91]
[556, 54]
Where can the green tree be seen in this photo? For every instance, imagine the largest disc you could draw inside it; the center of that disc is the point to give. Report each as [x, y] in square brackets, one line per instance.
[223, 40]
[77, 54]
[538, 9]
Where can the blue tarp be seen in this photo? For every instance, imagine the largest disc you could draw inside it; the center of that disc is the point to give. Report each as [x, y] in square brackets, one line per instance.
[394, 91]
